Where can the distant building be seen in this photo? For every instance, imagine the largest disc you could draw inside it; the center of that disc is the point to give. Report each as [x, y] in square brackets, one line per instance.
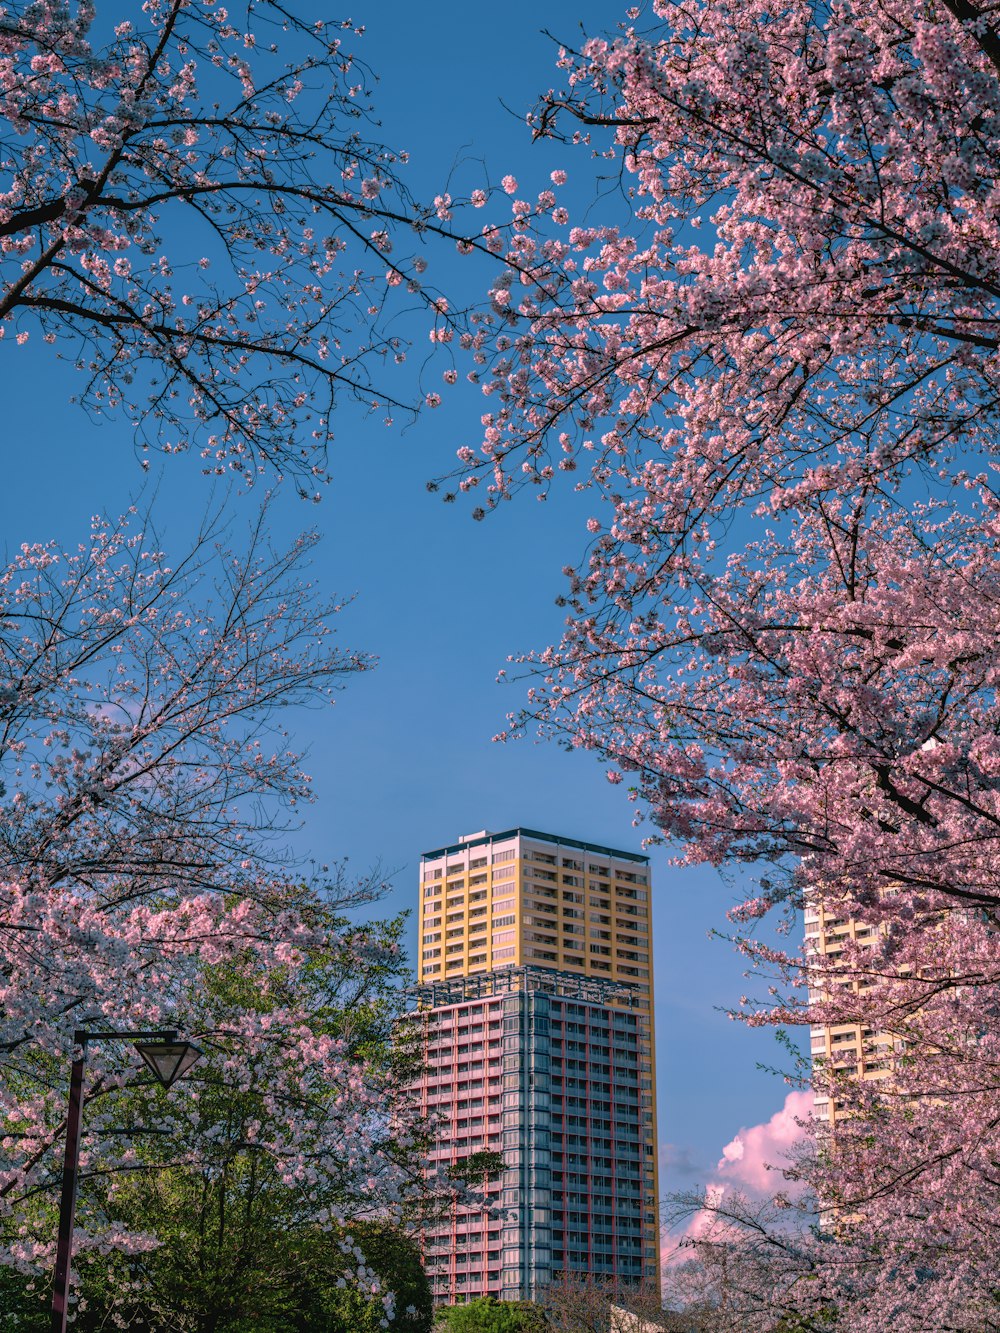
[851, 1049]
[535, 995]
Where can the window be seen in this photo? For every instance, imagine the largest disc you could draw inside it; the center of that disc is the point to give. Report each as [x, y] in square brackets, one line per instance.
[503, 921]
[639, 927]
[505, 872]
[507, 855]
[503, 905]
[639, 895]
[479, 861]
[629, 877]
[549, 909]
[503, 953]
[543, 892]
[626, 939]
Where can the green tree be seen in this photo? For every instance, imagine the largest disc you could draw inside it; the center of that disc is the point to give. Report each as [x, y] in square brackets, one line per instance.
[250, 1238]
[472, 1169]
[24, 1302]
[323, 1307]
[486, 1315]
[291, 1286]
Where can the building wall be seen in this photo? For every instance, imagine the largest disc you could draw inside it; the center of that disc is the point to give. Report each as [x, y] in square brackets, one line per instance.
[463, 1085]
[853, 1050]
[544, 1068]
[496, 900]
[569, 921]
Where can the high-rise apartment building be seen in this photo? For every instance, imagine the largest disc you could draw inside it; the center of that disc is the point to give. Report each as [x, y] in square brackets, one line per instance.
[853, 1050]
[536, 998]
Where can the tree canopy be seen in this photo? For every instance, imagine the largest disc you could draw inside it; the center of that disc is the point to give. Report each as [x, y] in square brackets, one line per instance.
[770, 360]
[488, 1315]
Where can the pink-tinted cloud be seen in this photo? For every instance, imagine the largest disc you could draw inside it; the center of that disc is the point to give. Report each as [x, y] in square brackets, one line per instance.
[743, 1167]
[746, 1157]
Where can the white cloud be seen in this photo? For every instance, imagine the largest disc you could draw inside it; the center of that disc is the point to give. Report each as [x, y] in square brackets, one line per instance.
[746, 1157]
[750, 1164]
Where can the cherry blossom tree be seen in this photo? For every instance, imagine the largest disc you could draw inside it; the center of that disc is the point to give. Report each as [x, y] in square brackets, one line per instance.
[264, 1175]
[195, 213]
[148, 792]
[751, 1266]
[584, 1303]
[782, 635]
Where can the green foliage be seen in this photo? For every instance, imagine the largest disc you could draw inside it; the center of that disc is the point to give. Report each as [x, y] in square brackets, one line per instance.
[471, 1169]
[396, 1259]
[245, 1245]
[24, 1302]
[288, 1285]
[243, 1248]
[486, 1315]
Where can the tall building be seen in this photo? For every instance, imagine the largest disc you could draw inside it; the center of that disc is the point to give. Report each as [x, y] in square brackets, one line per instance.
[852, 1050]
[536, 998]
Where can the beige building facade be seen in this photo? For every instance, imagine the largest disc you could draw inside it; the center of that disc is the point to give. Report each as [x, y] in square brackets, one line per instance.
[852, 1050]
[535, 983]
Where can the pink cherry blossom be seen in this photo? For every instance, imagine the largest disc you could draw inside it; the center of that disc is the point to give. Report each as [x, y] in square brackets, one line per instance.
[187, 121]
[780, 376]
[149, 788]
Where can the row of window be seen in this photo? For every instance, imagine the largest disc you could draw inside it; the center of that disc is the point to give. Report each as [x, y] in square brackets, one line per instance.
[433, 888]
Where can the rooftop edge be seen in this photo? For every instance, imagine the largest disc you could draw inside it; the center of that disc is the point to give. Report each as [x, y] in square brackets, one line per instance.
[555, 838]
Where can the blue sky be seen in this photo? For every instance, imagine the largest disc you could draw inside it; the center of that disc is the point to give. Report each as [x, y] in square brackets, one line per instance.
[405, 760]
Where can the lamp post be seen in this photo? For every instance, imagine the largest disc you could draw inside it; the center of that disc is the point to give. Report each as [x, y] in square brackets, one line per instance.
[168, 1059]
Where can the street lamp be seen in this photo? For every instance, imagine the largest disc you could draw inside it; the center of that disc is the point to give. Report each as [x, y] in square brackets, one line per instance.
[168, 1059]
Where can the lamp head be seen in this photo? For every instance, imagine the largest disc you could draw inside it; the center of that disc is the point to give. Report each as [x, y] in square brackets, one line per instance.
[168, 1060]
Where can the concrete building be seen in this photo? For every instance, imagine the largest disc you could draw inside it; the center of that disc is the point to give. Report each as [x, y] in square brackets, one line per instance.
[535, 994]
[852, 1050]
